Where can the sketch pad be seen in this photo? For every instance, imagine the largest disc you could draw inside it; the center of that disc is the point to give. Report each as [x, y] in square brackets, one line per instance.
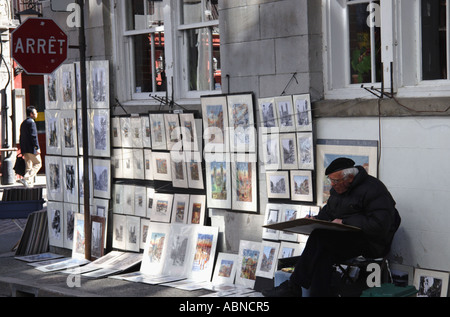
[307, 225]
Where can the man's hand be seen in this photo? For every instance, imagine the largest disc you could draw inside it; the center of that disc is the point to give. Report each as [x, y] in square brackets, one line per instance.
[337, 221]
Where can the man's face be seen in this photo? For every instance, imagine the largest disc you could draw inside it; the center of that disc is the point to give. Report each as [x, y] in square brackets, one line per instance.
[340, 182]
[34, 115]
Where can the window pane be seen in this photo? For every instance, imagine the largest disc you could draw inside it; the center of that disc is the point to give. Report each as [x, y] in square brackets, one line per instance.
[203, 59]
[149, 68]
[365, 43]
[144, 14]
[434, 39]
[196, 11]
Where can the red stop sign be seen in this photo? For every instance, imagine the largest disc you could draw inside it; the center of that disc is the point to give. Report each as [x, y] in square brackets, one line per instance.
[39, 46]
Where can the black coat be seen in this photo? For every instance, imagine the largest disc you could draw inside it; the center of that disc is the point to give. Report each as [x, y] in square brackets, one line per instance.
[368, 205]
[29, 142]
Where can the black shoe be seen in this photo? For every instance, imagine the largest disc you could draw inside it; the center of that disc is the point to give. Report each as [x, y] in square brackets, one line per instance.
[284, 290]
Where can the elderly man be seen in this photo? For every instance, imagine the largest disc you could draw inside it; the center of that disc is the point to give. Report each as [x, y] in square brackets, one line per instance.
[356, 199]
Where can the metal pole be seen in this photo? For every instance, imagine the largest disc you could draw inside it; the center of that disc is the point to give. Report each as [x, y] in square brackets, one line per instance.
[84, 115]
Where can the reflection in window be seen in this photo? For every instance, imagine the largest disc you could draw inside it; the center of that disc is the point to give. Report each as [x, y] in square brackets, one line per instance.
[149, 62]
[434, 39]
[196, 11]
[365, 42]
[144, 14]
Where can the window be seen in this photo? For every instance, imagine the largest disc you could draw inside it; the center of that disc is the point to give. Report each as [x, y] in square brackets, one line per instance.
[200, 44]
[144, 27]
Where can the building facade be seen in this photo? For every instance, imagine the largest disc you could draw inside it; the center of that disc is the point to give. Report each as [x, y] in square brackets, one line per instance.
[375, 70]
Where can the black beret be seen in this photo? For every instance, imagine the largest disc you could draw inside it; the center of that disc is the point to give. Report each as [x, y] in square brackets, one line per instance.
[339, 164]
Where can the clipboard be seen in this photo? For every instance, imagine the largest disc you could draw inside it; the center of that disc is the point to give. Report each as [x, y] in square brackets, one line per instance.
[307, 225]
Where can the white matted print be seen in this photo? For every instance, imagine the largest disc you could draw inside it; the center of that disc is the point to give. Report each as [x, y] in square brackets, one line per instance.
[197, 209]
[79, 242]
[270, 148]
[273, 215]
[158, 131]
[179, 172]
[69, 144]
[285, 113]
[69, 216]
[70, 179]
[305, 147]
[173, 132]
[194, 170]
[101, 170]
[225, 270]
[53, 132]
[268, 259]
[67, 86]
[301, 186]
[116, 135]
[99, 83]
[133, 233]
[54, 175]
[162, 207]
[155, 249]
[288, 213]
[248, 258]
[161, 165]
[99, 133]
[278, 184]
[288, 147]
[180, 250]
[125, 132]
[289, 250]
[215, 123]
[431, 283]
[244, 182]
[242, 125]
[267, 114]
[204, 252]
[302, 109]
[180, 208]
[189, 132]
[55, 223]
[218, 181]
[120, 231]
[51, 91]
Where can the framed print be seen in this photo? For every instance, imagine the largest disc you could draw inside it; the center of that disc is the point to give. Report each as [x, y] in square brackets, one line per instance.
[162, 207]
[119, 231]
[116, 135]
[363, 152]
[179, 250]
[173, 133]
[55, 223]
[138, 164]
[288, 250]
[98, 238]
[53, 132]
[270, 147]
[288, 213]
[148, 171]
[100, 207]
[179, 172]
[156, 248]
[79, 242]
[305, 147]
[101, 170]
[150, 196]
[241, 123]
[146, 132]
[278, 184]
[302, 110]
[136, 132]
[188, 132]
[225, 270]
[99, 83]
[194, 170]
[128, 199]
[69, 141]
[67, 86]
[431, 283]
[54, 175]
[133, 234]
[197, 209]
[180, 209]
[99, 133]
[267, 114]
[268, 259]
[68, 220]
[285, 113]
[161, 165]
[70, 179]
[244, 182]
[218, 180]
[273, 215]
[118, 199]
[204, 253]
[158, 131]
[117, 163]
[301, 186]
[125, 132]
[51, 84]
[248, 258]
[215, 123]
[402, 275]
[140, 200]
[288, 146]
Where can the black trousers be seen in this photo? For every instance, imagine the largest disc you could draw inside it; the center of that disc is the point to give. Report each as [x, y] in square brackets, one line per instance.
[323, 249]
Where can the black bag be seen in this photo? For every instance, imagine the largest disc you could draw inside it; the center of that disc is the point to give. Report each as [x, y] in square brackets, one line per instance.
[19, 167]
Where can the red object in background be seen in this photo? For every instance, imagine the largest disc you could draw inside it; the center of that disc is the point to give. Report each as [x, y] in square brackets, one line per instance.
[39, 46]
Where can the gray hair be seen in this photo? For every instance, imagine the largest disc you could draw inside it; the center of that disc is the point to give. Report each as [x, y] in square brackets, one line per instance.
[350, 171]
